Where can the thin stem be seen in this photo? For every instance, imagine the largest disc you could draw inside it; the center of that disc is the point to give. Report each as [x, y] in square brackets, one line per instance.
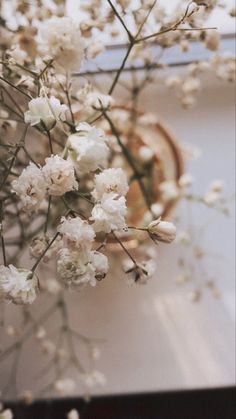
[121, 20]
[48, 214]
[50, 141]
[146, 18]
[15, 87]
[45, 69]
[27, 335]
[30, 157]
[171, 28]
[10, 167]
[124, 248]
[121, 68]
[1, 233]
[129, 159]
[44, 252]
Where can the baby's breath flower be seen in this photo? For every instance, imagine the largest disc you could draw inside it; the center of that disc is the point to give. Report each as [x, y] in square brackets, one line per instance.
[76, 269]
[60, 38]
[73, 414]
[18, 285]
[139, 273]
[44, 112]
[40, 243]
[162, 231]
[110, 180]
[212, 39]
[88, 149]
[6, 414]
[64, 386]
[109, 214]
[169, 190]
[59, 175]
[30, 187]
[185, 180]
[93, 378]
[76, 233]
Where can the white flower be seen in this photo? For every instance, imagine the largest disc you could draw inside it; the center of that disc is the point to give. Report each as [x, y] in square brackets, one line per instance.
[145, 154]
[88, 149]
[162, 231]
[73, 414]
[40, 243]
[18, 285]
[139, 273]
[77, 269]
[216, 185]
[157, 209]
[64, 386]
[94, 49]
[17, 55]
[191, 85]
[6, 414]
[169, 190]
[99, 101]
[76, 233]
[94, 378]
[212, 39]
[110, 180]
[59, 175]
[211, 198]
[52, 286]
[30, 187]
[183, 237]
[185, 180]
[109, 214]
[45, 112]
[60, 38]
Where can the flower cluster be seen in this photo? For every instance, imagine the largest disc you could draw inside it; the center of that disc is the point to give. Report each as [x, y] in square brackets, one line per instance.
[84, 174]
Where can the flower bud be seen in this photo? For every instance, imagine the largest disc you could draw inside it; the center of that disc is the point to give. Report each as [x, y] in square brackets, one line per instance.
[162, 231]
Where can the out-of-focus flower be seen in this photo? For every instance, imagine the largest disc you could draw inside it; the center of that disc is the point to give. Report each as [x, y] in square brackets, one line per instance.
[44, 112]
[73, 414]
[94, 49]
[94, 378]
[17, 55]
[64, 386]
[185, 180]
[18, 285]
[169, 190]
[157, 209]
[145, 154]
[60, 39]
[59, 175]
[212, 39]
[6, 414]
